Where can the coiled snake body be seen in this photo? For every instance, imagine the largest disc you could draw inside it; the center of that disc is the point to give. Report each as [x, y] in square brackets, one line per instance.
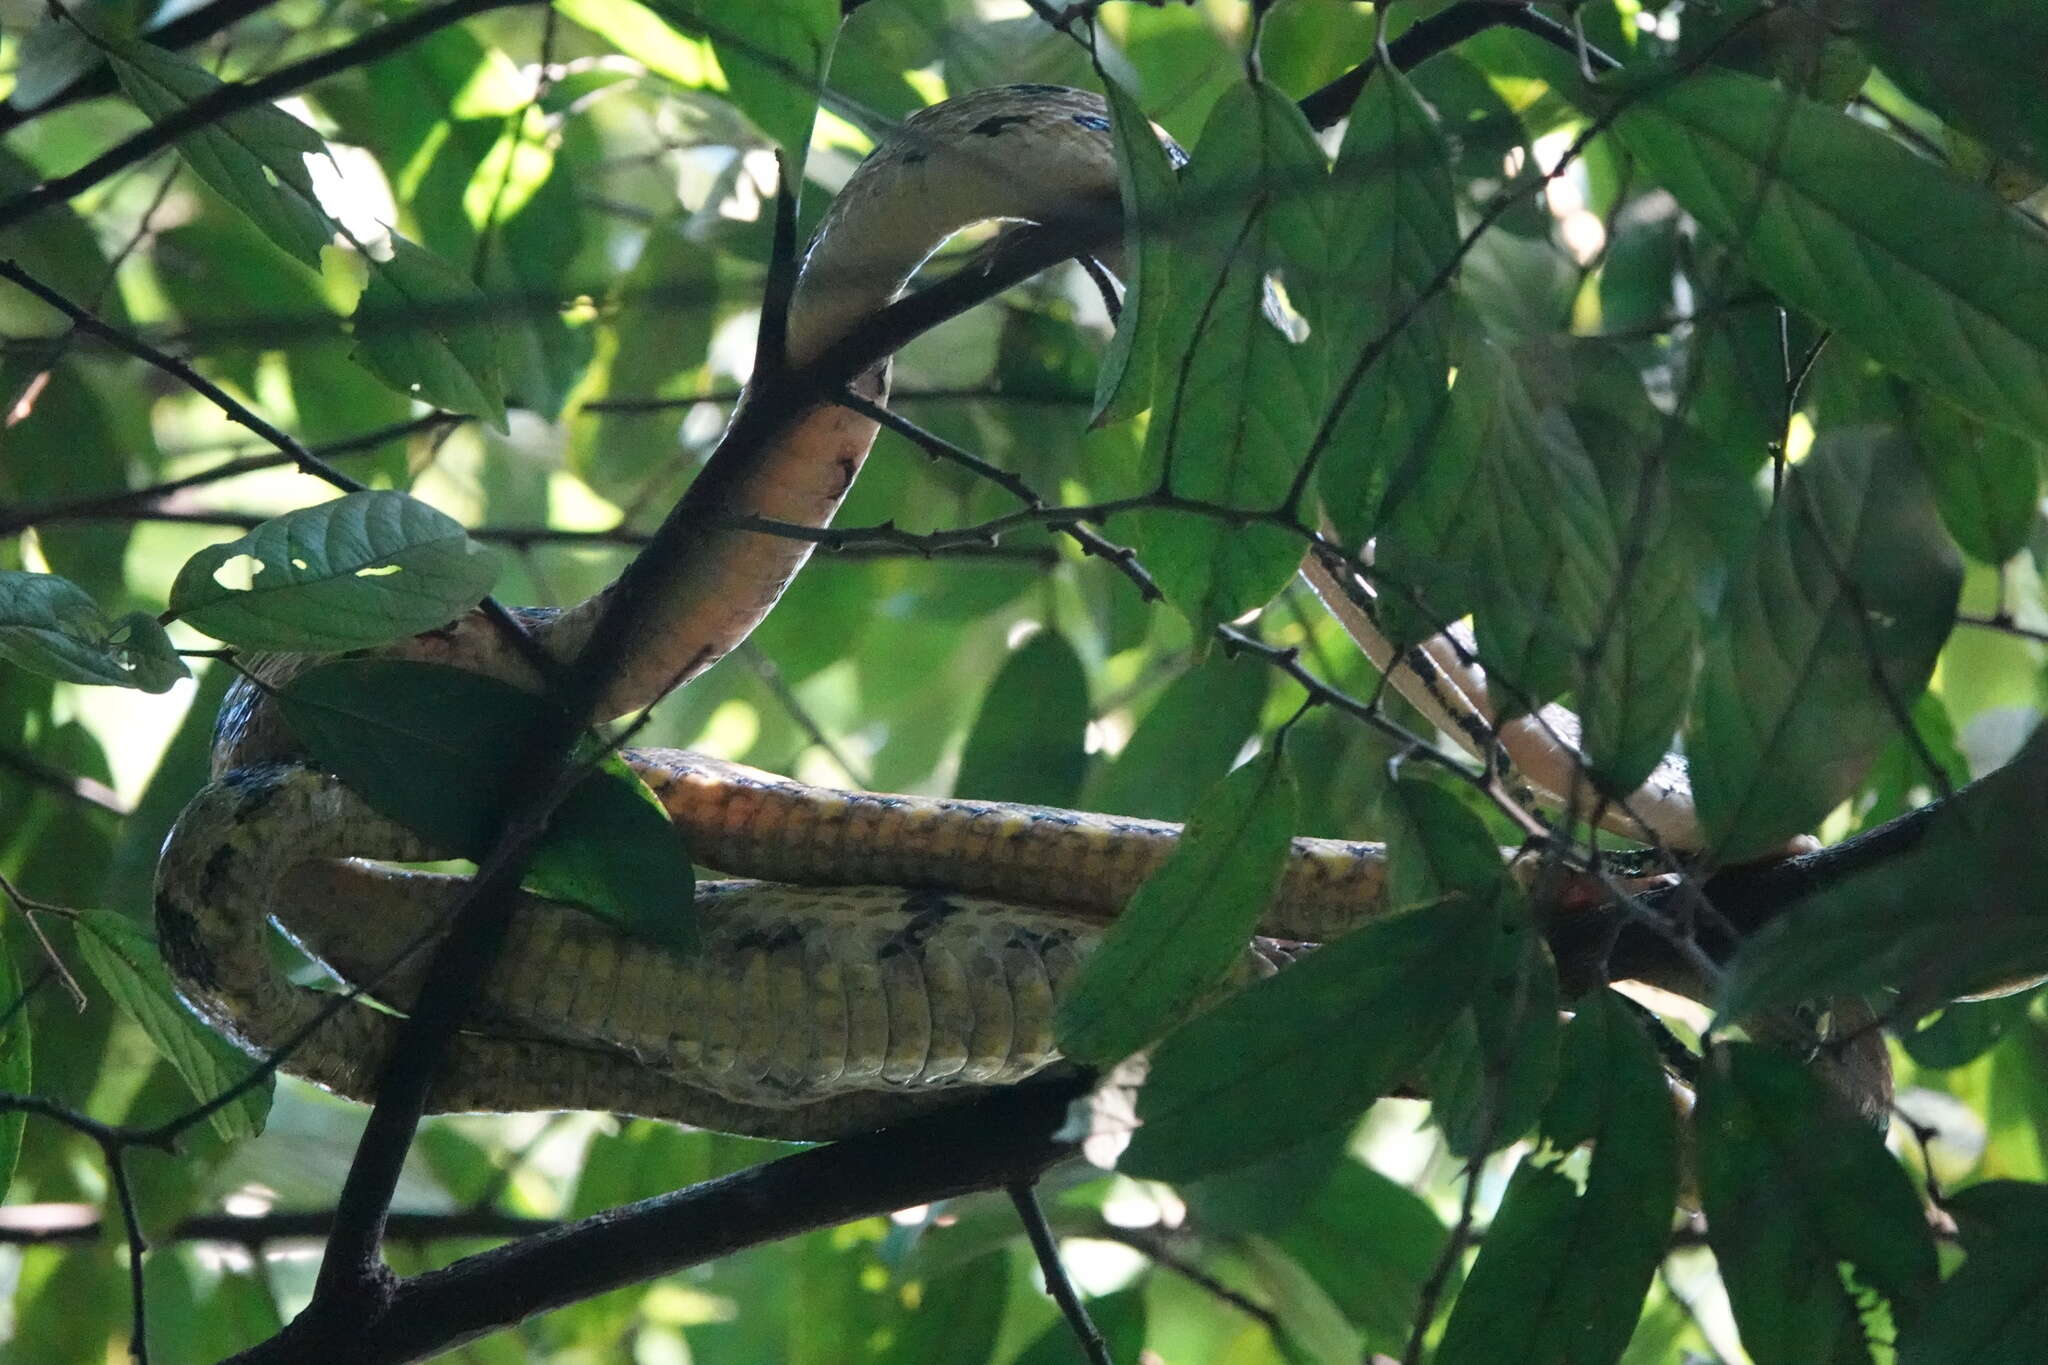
[900, 949]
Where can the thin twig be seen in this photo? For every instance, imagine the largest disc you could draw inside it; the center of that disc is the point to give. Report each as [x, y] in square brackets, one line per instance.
[1024, 1195]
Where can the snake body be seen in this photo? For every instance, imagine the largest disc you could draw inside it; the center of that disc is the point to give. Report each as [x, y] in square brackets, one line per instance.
[902, 951]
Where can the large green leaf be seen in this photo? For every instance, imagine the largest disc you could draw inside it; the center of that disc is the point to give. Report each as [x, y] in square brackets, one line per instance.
[1188, 923]
[1504, 518]
[1566, 1263]
[1372, 1245]
[1120, 1317]
[1954, 909]
[1029, 740]
[440, 749]
[360, 570]
[1935, 277]
[1186, 741]
[49, 625]
[1987, 482]
[1995, 1308]
[1236, 395]
[126, 961]
[1393, 230]
[1806, 1210]
[255, 159]
[1305, 1051]
[1826, 639]
[423, 328]
[1145, 179]
[1964, 59]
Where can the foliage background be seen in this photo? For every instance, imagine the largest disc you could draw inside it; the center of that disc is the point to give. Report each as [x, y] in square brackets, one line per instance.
[598, 173]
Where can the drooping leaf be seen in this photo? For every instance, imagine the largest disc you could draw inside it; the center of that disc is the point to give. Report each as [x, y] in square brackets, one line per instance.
[1806, 1210]
[49, 625]
[1566, 1264]
[360, 570]
[1955, 910]
[1145, 179]
[1853, 228]
[1371, 1244]
[1185, 742]
[440, 749]
[255, 158]
[1029, 740]
[1188, 923]
[126, 961]
[1236, 394]
[1120, 1317]
[1995, 1308]
[1393, 230]
[1305, 1051]
[1827, 637]
[423, 328]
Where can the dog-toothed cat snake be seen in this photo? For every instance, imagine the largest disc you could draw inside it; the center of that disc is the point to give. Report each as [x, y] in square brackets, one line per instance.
[899, 948]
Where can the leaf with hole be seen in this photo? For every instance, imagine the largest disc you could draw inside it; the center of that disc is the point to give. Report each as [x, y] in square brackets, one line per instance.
[423, 328]
[361, 570]
[49, 625]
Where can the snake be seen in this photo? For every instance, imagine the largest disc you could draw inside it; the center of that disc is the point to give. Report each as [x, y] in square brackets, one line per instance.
[865, 957]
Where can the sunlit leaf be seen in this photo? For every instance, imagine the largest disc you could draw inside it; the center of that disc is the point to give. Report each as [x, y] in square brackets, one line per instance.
[1806, 1211]
[360, 570]
[1186, 741]
[1189, 921]
[129, 968]
[49, 625]
[774, 55]
[1236, 395]
[255, 158]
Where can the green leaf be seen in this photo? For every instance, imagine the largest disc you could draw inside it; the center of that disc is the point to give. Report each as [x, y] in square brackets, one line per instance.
[1987, 482]
[1505, 518]
[1995, 1308]
[1954, 910]
[254, 159]
[423, 328]
[1186, 742]
[774, 55]
[126, 961]
[1145, 178]
[49, 625]
[16, 1063]
[1826, 639]
[1566, 1263]
[1236, 396]
[1307, 1050]
[1029, 740]
[1806, 1210]
[439, 749]
[1372, 1245]
[1862, 233]
[957, 1316]
[1187, 924]
[1963, 59]
[1489, 1079]
[361, 570]
[1394, 228]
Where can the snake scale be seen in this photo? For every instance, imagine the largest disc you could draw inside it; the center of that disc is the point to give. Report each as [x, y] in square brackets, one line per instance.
[897, 951]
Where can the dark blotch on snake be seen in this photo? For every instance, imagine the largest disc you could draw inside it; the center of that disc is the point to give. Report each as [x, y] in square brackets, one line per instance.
[927, 911]
[996, 124]
[1094, 123]
[177, 935]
